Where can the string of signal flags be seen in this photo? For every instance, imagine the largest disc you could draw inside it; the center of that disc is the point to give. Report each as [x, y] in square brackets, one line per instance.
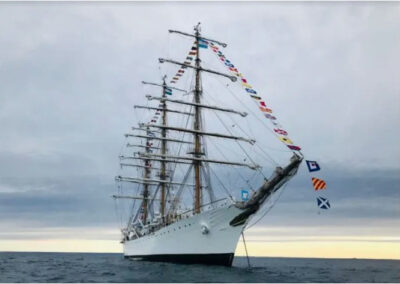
[313, 166]
[318, 184]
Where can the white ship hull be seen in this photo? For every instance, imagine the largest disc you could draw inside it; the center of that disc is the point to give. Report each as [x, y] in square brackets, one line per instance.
[203, 238]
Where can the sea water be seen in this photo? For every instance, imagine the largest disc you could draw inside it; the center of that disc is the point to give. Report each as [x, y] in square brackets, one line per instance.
[103, 267]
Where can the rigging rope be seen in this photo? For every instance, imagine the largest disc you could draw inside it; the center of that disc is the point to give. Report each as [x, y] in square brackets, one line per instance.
[257, 99]
[256, 144]
[241, 147]
[245, 247]
[268, 208]
[223, 186]
[238, 172]
[260, 120]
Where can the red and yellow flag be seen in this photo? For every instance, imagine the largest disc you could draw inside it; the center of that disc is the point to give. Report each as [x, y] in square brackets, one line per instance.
[318, 183]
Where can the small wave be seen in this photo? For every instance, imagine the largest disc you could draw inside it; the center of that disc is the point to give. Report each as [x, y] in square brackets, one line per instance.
[108, 274]
[56, 278]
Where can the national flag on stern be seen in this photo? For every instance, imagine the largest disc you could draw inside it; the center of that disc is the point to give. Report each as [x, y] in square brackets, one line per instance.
[312, 166]
[318, 183]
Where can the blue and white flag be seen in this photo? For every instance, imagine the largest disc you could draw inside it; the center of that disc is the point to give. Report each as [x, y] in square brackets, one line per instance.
[245, 195]
[168, 91]
[203, 43]
[312, 166]
[323, 203]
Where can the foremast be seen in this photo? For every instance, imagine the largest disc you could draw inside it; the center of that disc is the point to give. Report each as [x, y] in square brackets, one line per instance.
[197, 122]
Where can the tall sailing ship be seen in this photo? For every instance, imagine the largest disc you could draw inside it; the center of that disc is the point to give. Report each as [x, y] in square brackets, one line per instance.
[179, 197]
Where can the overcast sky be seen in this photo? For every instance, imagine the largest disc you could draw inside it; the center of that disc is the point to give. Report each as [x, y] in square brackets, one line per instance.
[70, 73]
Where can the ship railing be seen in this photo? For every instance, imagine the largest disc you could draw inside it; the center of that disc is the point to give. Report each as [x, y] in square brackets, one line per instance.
[151, 228]
[214, 204]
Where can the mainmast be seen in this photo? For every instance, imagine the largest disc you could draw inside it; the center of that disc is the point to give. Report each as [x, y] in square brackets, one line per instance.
[197, 123]
[197, 126]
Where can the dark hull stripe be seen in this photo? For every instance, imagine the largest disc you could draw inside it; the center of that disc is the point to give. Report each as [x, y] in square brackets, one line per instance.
[224, 259]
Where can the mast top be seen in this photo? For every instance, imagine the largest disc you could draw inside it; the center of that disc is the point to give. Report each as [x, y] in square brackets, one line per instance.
[197, 28]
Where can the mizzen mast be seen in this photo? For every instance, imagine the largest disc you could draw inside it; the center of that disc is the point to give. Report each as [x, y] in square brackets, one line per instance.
[147, 172]
[163, 150]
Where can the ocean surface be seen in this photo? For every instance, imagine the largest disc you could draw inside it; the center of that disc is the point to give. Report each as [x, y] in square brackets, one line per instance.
[103, 267]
